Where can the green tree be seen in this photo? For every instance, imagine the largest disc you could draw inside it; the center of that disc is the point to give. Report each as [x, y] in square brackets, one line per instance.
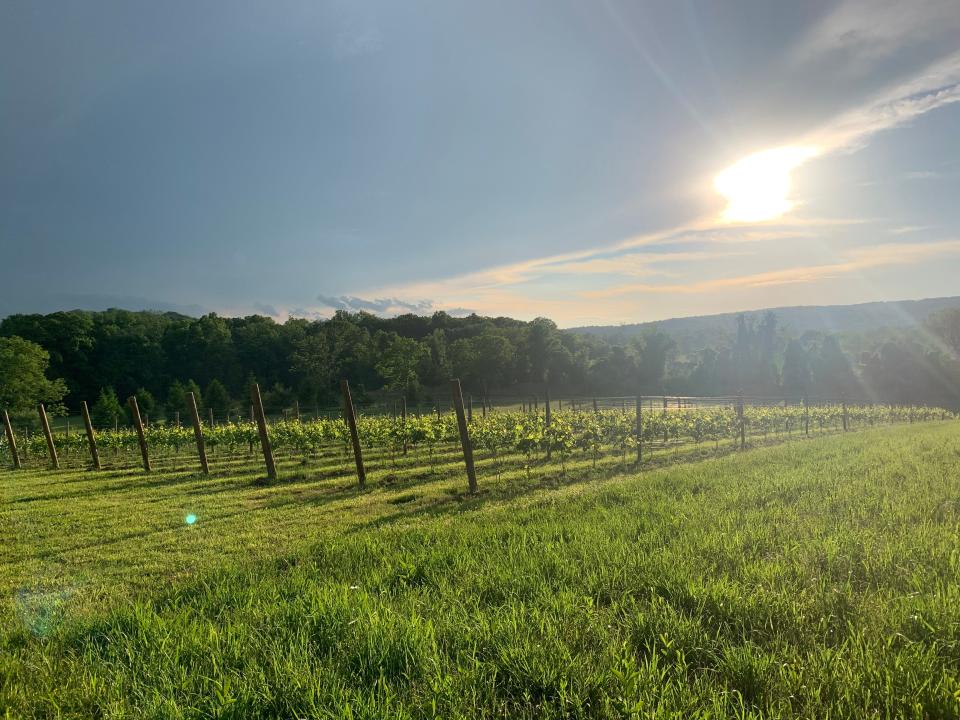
[796, 377]
[176, 399]
[106, 411]
[191, 387]
[313, 365]
[400, 364]
[23, 379]
[946, 326]
[146, 401]
[217, 398]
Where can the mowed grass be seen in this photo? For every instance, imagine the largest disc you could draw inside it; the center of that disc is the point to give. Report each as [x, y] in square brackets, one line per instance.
[816, 578]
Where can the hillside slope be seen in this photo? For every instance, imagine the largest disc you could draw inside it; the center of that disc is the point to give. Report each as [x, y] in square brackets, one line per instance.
[700, 331]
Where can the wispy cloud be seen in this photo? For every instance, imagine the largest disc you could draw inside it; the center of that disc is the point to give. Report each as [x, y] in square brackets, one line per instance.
[923, 175]
[857, 260]
[936, 86]
[906, 229]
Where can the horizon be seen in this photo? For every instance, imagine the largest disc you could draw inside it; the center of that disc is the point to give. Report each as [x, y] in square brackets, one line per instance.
[747, 311]
[604, 165]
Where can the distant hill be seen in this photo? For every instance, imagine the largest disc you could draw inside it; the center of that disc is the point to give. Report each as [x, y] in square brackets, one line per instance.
[694, 333]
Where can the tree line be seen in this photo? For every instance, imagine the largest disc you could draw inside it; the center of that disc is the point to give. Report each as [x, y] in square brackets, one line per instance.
[80, 355]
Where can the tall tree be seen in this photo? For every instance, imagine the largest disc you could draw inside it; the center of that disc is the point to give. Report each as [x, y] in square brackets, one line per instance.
[796, 377]
[23, 379]
[106, 411]
[217, 398]
[400, 363]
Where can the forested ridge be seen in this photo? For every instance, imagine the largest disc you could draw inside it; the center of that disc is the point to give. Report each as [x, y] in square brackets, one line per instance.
[162, 354]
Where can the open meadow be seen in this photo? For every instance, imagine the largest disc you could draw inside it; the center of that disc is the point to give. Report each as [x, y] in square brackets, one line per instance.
[811, 578]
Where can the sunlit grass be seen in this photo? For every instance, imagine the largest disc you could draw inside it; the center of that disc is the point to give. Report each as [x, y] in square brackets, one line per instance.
[811, 578]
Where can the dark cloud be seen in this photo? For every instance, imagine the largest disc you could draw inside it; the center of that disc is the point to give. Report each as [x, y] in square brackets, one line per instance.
[377, 306]
[264, 309]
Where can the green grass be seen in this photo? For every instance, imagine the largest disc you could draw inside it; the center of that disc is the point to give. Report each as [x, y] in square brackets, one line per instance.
[816, 578]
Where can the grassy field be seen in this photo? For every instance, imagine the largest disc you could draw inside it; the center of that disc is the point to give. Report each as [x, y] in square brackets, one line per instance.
[816, 578]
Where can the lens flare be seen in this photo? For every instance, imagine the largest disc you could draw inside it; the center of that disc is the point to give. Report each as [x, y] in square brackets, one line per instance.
[190, 519]
[757, 187]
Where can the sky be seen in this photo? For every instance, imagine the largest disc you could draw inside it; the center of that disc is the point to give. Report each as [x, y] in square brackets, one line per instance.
[592, 161]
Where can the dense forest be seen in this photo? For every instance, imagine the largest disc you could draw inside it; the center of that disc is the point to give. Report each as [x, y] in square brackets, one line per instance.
[161, 355]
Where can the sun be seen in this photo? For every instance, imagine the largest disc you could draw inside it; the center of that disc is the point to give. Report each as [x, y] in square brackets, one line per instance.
[757, 187]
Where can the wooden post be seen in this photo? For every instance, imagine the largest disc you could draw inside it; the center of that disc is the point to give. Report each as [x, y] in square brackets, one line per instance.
[91, 438]
[639, 431]
[806, 418]
[546, 406]
[666, 431]
[176, 416]
[595, 405]
[51, 447]
[262, 429]
[354, 435]
[403, 419]
[138, 426]
[743, 433]
[296, 409]
[211, 416]
[464, 434]
[11, 441]
[198, 433]
[470, 408]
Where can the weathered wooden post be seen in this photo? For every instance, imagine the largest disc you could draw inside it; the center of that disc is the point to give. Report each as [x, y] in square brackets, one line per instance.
[546, 422]
[666, 427]
[138, 426]
[464, 434]
[198, 433]
[262, 429]
[51, 447]
[91, 438]
[741, 422]
[296, 409]
[639, 430]
[595, 409]
[806, 417]
[844, 415]
[176, 416]
[348, 410]
[403, 419]
[210, 411]
[11, 441]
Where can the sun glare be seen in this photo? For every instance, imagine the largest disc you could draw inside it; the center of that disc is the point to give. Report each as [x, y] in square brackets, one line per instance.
[756, 187]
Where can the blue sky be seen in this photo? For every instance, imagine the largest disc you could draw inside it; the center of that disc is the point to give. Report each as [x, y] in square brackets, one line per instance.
[519, 158]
